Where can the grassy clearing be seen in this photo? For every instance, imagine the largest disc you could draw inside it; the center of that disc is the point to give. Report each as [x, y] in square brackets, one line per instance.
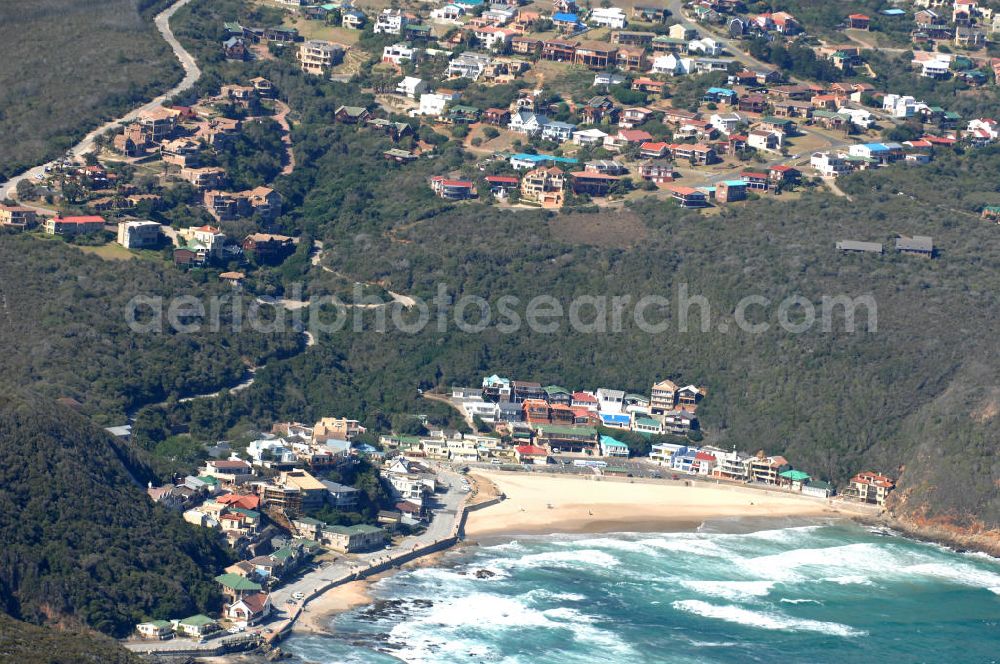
[109, 252]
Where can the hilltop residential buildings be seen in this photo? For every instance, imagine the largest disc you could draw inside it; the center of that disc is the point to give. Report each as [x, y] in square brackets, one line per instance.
[17, 217]
[319, 57]
[139, 234]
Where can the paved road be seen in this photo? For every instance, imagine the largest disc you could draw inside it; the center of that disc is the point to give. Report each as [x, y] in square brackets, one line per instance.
[438, 529]
[191, 74]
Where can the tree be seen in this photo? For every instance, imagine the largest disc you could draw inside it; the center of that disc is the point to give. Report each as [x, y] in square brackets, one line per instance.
[25, 189]
[408, 425]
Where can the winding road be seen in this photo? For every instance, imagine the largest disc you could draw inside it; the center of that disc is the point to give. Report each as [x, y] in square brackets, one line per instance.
[191, 74]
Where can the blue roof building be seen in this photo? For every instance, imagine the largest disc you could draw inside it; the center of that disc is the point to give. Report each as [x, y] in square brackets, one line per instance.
[618, 420]
[563, 17]
[719, 93]
[524, 160]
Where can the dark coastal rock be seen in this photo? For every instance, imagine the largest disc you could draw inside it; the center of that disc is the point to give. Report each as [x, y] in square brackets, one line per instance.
[484, 574]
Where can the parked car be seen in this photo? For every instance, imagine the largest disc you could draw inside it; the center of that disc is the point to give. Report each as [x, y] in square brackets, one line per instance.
[298, 595]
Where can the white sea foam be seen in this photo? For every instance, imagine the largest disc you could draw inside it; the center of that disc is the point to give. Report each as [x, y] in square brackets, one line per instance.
[849, 580]
[686, 543]
[571, 559]
[446, 632]
[634, 546]
[734, 590]
[965, 575]
[849, 558]
[786, 600]
[763, 619]
[781, 534]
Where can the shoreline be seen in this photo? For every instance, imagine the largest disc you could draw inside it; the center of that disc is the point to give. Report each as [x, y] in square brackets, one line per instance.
[315, 619]
[580, 506]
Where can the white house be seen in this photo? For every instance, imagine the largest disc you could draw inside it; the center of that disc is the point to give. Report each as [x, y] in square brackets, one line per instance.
[828, 164]
[397, 54]
[983, 128]
[432, 103]
[589, 137]
[610, 401]
[858, 116]
[767, 141]
[725, 122]
[412, 87]
[408, 480]
[390, 21]
[468, 65]
[250, 609]
[270, 451]
[938, 66]
[558, 131]
[527, 123]
[899, 106]
[448, 13]
[608, 78]
[138, 234]
[492, 37]
[673, 65]
[609, 17]
[705, 46]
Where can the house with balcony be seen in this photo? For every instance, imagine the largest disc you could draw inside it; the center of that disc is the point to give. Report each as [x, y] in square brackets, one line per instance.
[557, 50]
[453, 190]
[688, 197]
[72, 226]
[390, 21]
[595, 55]
[544, 186]
[17, 217]
[870, 487]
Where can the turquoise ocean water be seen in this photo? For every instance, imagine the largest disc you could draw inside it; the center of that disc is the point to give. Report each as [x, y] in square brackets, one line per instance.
[734, 591]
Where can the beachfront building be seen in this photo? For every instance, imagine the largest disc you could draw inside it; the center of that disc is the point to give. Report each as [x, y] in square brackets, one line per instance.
[662, 453]
[531, 454]
[733, 466]
[612, 447]
[348, 539]
[871, 487]
[561, 439]
[766, 469]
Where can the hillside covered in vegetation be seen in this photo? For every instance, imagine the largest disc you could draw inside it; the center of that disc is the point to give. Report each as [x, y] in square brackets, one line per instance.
[64, 325]
[30, 644]
[83, 545]
[69, 65]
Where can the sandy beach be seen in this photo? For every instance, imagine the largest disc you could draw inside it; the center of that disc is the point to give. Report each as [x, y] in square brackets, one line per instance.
[539, 503]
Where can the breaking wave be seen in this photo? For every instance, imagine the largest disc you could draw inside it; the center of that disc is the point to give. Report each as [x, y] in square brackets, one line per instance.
[763, 619]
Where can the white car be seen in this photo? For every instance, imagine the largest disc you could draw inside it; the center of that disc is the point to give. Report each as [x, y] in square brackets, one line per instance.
[236, 629]
[298, 595]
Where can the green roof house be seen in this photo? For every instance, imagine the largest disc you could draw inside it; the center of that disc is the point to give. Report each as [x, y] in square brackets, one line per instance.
[197, 625]
[235, 586]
